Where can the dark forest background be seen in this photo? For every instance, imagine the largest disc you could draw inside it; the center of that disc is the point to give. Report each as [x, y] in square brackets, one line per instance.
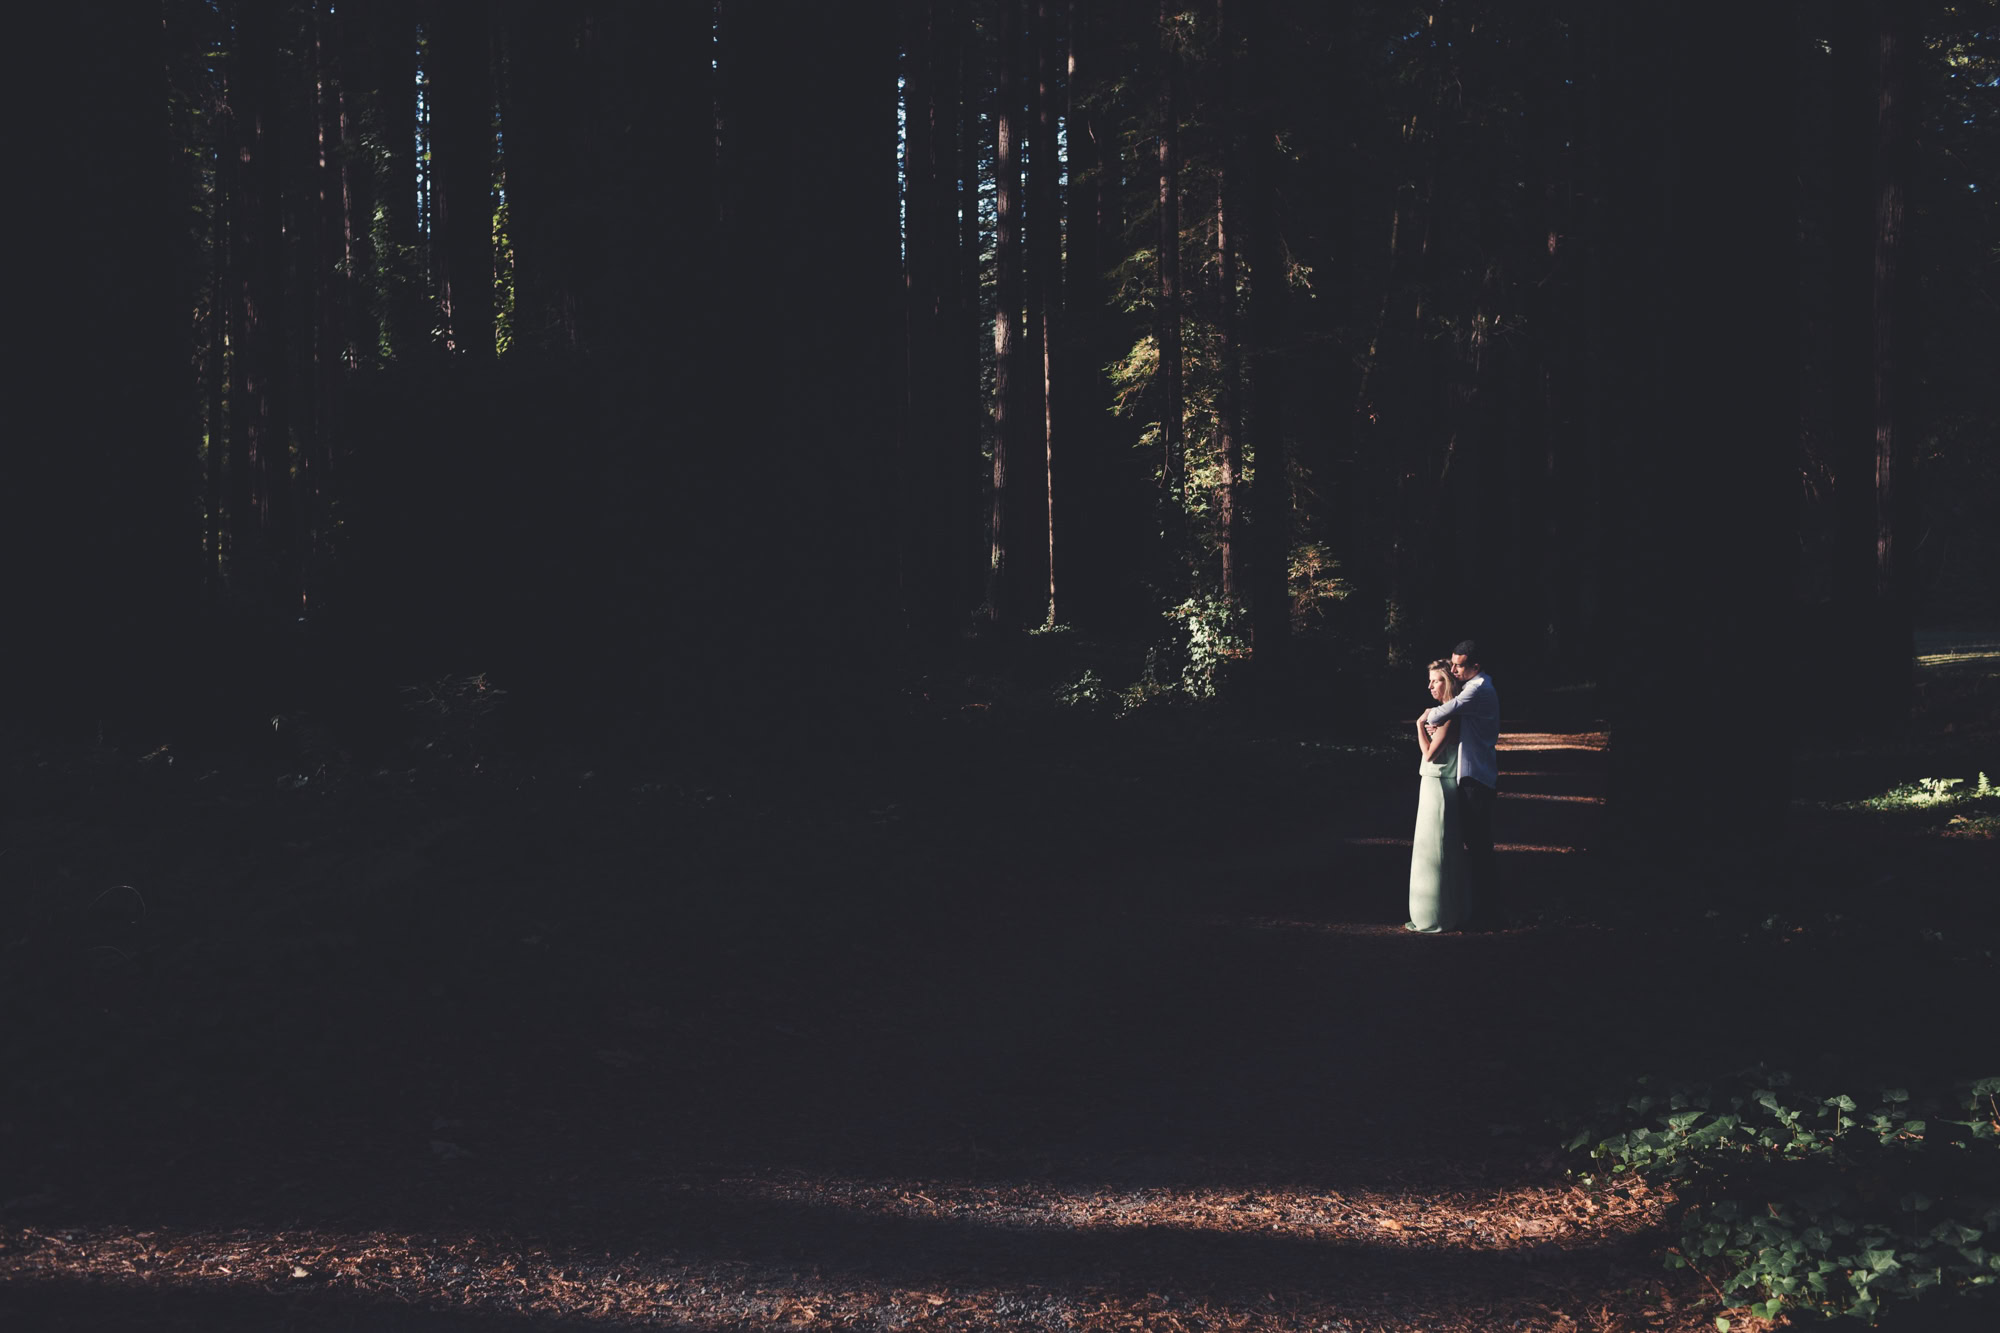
[688, 370]
[729, 661]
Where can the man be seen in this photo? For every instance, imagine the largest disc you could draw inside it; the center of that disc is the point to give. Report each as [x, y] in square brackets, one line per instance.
[1477, 708]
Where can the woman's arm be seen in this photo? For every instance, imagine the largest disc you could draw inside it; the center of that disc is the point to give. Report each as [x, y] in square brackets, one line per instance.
[1440, 737]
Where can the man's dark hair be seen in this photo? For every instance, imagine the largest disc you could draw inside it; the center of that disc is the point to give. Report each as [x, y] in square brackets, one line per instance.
[1468, 650]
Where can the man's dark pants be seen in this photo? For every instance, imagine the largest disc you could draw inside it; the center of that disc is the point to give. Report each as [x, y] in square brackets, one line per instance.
[1475, 824]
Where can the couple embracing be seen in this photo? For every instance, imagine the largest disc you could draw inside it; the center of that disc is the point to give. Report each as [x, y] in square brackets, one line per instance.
[1451, 858]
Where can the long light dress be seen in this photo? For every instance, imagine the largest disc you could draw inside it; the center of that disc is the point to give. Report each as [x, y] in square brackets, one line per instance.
[1437, 860]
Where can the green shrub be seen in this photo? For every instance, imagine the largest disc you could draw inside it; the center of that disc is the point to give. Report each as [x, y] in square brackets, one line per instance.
[1212, 642]
[1929, 793]
[1087, 692]
[1819, 1205]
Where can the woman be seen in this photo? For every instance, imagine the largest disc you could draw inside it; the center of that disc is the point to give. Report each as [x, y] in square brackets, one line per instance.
[1437, 875]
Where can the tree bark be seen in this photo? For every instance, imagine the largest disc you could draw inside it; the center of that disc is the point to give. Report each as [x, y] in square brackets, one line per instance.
[222, 346]
[460, 89]
[1229, 407]
[1270, 498]
[1855, 53]
[1087, 523]
[1895, 120]
[1167, 325]
[399, 282]
[970, 339]
[1001, 605]
[326, 288]
[1706, 447]
[542, 116]
[101, 530]
[1044, 227]
[263, 509]
[359, 75]
[808, 508]
[930, 490]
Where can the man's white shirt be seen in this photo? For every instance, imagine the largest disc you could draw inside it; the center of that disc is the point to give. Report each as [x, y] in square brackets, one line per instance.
[1477, 708]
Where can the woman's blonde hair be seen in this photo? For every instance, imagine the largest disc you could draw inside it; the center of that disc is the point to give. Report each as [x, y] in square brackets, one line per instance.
[1443, 664]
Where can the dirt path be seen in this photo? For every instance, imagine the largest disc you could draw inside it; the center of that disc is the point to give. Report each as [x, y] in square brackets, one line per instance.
[1267, 1107]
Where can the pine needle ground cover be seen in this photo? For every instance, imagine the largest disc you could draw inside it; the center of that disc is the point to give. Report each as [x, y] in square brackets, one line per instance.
[1021, 1020]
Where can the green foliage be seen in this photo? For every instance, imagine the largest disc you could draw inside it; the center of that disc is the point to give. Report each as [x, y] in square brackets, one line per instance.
[1212, 640]
[1132, 376]
[1948, 805]
[1154, 684]
[1925, 793]
[1088, 692]
[1818, 1205]
[503, 272]
[1188, 665]
[1314, 583]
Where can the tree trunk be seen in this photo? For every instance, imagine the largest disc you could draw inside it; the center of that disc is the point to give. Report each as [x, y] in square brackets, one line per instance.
[1045, 275]
[929, 489]
[971, 468]
[391, 39]
[542, 117]
[1855, 52]
[1559, 504]
[1706, 443]
[1087, 522]
[262, 514]
[222, 347]
[325, 284]
[357, 92]
[1002, 607]
[1167, 325]
[1229, 409]
[919, 32]
[1270, 497]
[460, 89]
[808, 508]
[1896, 46]
[647, 173]
[1395, 400]
[101, 531]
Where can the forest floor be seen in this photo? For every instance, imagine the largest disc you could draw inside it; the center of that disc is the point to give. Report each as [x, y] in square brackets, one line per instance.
[1007, 1023]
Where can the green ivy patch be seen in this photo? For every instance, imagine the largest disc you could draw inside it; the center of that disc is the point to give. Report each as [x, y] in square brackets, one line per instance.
[1814, 1205]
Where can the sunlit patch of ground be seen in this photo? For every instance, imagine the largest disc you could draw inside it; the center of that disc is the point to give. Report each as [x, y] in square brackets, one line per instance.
[1387, 1260]
[1951, 648]
[1559, 848]
[1554, 740]
[1444, 1227]
[1986, 657]
[1509, 1219]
